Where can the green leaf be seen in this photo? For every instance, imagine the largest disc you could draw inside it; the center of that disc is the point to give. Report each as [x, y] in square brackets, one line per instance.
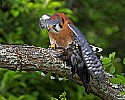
[112, 69]
[65, 10]
[15, 13]
[122, 92]
[115, 80]
[112, 55]
[55, 4]
[62, 96]
[2, 97]
[124, 61]
[22, 97]
[63, 99]
[115, 29]
[108, 30]
[13, 97]
[107, 65]
[53, 98]
[106, 60]
[122, 78]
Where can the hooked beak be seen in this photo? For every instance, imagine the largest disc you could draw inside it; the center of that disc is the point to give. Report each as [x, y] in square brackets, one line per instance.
[49, 27]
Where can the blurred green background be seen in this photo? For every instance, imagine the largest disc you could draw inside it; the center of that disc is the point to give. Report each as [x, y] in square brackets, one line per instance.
[102, 22]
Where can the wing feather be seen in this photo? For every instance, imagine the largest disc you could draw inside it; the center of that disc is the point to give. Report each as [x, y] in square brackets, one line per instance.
[91, 60]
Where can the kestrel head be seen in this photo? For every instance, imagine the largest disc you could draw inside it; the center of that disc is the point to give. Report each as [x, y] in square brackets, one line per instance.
[54, 23]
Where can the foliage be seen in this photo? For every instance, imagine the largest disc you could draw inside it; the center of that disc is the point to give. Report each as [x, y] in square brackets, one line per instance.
[32, 86]
[112, 64]
[102, 23]
[61, 97]
[119, 80]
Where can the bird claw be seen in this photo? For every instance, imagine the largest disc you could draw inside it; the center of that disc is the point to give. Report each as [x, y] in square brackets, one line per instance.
[53, 46]
[76, 46]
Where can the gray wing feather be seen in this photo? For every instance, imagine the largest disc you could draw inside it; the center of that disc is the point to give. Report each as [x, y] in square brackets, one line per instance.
[91, 61]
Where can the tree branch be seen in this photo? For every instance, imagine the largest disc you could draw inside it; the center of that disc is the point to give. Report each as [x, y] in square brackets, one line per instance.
[24, 57]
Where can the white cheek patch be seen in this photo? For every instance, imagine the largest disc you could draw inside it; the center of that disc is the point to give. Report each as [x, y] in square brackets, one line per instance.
[55, 29]
[58, 28]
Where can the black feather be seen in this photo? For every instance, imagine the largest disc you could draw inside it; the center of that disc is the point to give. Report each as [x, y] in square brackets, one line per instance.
[78, 66]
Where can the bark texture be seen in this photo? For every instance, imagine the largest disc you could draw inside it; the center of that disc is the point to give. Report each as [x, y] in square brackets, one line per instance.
[25, 57]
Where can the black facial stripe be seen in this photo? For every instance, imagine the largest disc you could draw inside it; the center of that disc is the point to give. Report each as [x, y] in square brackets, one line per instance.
[55, 29]
[60, 25]
[63, 20]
